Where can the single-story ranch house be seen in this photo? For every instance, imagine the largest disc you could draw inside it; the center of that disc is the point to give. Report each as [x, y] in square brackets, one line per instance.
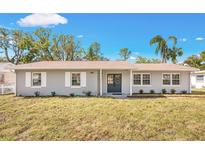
[100, 78]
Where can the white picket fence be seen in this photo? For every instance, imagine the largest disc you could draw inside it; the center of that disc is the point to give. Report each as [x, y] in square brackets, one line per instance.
[7, 88]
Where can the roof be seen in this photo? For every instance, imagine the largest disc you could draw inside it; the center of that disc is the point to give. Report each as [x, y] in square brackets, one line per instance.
[109, 65]
[6, 67]
[199, 72]
[164, 67]
[75, 65]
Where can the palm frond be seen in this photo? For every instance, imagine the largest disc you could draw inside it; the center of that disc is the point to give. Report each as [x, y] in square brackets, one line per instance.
[173, 38]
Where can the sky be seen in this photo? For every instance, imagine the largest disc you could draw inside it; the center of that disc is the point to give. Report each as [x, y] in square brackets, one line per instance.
[115, 31]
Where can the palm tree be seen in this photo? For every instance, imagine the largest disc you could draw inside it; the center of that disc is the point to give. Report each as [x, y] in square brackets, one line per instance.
[162, 46]
[174, 52]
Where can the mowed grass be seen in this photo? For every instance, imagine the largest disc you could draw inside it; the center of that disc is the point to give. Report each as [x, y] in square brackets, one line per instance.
[199, 91]
[64, 118]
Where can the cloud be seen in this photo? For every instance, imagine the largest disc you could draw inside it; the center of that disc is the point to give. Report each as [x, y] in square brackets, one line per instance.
[44, 20]
[199, 39]
[80, 36]
[183, 39]
[132, 58]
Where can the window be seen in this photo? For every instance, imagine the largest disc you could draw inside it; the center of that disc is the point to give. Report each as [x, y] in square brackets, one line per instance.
[171, 79]
[137, 79]
[199, 78]
[36, 79]
[141, 79]
[175, 79]
[75, 79]
[1, 78]
[146, 79]
[166, 79]
[110, 79]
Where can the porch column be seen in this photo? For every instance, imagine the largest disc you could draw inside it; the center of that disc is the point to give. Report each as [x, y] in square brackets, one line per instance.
[101, 82]
[131, 82]
[190, 82]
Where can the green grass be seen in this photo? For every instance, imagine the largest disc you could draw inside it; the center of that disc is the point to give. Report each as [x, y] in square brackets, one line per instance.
[199, 91]
[64, 118]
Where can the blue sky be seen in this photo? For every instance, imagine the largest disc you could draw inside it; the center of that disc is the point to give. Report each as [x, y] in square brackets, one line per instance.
[115, 31]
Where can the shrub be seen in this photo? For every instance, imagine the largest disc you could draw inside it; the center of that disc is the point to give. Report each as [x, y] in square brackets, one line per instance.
[173, 91]
[141, 91]
[53, 93]
[87, 93]
[164, 91]
[152, 91]
[184, 92]
[37, 93]
[72, 94]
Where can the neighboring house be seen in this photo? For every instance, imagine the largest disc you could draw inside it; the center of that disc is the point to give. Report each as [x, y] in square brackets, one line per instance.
[7, 75]
[7, 78]
[100, 77]
[198, 79]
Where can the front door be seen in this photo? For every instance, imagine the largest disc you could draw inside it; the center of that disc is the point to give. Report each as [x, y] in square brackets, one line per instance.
[114, 83]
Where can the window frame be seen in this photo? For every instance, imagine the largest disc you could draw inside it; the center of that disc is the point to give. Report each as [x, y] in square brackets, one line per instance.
[175, 79]
[32, 74]
[171, 84]
[141, 79]
[75, 86]
[198, 81]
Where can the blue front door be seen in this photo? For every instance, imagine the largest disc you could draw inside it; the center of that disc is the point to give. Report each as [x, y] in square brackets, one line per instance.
[114, 82]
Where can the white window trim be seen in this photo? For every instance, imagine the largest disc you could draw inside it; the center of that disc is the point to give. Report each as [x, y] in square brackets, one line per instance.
[171, 80]
[71, 76]
[141, 77]
[32, 80]
[200, 82]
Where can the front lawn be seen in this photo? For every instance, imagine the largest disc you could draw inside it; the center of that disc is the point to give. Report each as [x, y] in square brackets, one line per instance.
[199, 91]
[64, 118]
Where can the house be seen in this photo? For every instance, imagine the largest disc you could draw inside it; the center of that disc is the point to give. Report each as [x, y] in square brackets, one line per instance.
[7, 78]
[100, 78]
[7, 75]
[198, 79]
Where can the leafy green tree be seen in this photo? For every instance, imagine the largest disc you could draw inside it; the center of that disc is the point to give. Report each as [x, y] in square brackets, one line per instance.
[141, 59]
[13, 43]
[202, 56]
[162, 46]
[64, 47]
[125, 53]
[42, 39]
[193, 61]
[32, 52]
[5, 42]
[94, 52]
[174, 53]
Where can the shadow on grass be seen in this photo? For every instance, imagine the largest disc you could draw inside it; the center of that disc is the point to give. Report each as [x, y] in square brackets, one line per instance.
[65, 97]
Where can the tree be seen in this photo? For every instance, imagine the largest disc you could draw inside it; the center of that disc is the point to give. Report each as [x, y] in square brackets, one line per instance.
[174, 53]
[193, 61]
[14, 44]
[42, 39]
[197, 61]
[202, 56]
[93, 52]
[125, 53]
[141, 59]
[162, 46]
